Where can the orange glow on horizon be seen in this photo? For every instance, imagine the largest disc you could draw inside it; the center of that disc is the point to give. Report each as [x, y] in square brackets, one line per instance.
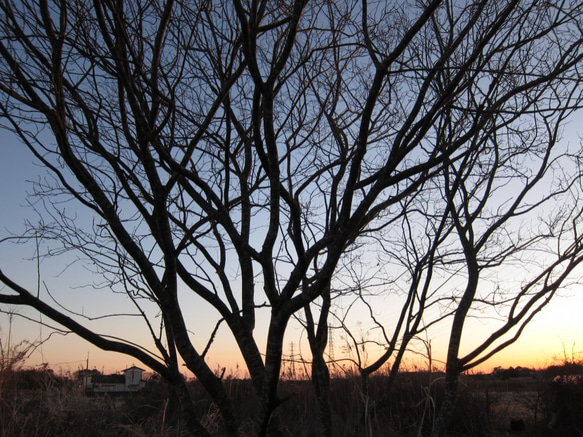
[554, 335]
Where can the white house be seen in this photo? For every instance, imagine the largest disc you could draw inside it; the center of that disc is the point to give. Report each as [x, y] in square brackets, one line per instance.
[129, 381]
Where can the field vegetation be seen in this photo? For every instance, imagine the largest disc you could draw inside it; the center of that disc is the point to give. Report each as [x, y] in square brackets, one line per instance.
[514, 401]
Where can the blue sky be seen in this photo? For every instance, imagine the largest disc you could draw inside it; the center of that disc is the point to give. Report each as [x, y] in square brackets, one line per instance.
[558, 328]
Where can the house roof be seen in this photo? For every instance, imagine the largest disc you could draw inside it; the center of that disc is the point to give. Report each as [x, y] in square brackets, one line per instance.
[134, 367]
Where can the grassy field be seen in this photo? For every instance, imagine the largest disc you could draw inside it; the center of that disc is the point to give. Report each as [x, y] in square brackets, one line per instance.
[38, 403]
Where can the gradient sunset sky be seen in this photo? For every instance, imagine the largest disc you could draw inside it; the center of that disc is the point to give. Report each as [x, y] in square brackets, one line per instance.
[558, 329]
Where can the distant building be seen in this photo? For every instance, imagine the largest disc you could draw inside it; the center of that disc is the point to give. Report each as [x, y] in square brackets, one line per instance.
[513, 373]
[129, 381]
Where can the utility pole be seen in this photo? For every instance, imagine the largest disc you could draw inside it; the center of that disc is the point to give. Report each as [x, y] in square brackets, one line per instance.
[330, 343]
[292, 358]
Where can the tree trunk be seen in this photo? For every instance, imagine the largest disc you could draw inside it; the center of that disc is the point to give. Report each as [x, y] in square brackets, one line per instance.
[363, 411]
[269, 397]
[448, 405]
[321, 382]
[187, 415]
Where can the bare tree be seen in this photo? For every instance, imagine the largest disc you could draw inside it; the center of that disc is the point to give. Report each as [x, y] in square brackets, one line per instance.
[243, 152]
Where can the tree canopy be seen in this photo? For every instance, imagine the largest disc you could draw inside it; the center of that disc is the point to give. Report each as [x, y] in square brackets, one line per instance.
[301, 159]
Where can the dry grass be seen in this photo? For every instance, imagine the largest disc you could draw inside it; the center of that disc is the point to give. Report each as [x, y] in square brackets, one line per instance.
[38, 404]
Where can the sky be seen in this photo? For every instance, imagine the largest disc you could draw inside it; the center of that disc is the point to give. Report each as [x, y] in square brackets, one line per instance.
[556, 332]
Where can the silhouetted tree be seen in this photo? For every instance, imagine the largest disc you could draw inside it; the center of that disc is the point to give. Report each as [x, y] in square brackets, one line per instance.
[256, 153]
